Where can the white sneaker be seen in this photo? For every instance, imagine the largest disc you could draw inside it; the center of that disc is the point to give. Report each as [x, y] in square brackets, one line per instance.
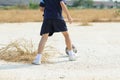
[37, 60]
[72, 57]
[74, 50]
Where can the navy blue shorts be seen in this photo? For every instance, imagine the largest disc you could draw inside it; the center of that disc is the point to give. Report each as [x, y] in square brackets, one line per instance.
[53, 25]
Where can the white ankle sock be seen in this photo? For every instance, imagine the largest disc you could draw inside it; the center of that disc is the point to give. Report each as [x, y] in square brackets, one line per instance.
[38, 57]
[70, 52]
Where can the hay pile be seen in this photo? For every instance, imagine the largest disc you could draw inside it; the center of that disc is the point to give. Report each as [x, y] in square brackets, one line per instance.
[24, 51]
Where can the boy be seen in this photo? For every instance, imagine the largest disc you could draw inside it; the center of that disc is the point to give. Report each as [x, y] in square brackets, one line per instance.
[54, 22]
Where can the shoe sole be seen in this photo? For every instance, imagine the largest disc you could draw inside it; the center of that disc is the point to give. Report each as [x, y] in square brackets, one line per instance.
[35, 64]
[72, 59]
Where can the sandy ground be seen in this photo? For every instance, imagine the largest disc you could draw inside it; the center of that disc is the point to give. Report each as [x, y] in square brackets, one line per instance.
[98, 56]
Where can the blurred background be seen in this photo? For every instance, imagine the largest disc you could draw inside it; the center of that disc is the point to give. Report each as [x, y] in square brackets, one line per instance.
[81, 10]
[72, 3]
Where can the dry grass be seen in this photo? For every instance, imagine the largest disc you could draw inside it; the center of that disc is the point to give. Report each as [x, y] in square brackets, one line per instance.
[94, 15]
[20, 15]
[24, 51]
[80, 15]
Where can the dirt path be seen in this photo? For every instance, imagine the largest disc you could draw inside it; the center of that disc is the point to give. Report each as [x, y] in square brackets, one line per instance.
[98, 56]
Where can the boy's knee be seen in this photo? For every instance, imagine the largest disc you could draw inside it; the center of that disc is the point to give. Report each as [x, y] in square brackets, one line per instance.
[45, 35]
[65, 33]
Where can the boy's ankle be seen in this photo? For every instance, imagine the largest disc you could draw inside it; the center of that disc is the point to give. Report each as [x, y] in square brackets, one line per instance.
[37, 60]
[72, 56]
[70, 52]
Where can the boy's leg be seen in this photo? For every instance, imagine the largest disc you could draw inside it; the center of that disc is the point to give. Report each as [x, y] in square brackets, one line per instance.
[67, 40]
[42, 42]
[69, 46]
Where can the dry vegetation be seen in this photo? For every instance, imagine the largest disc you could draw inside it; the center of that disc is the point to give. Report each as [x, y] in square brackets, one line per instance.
[20, 15]
[24, 51]
[81, 15]
[95, 15]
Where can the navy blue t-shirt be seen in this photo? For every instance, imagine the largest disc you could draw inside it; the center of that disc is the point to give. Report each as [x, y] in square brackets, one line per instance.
[53, 9]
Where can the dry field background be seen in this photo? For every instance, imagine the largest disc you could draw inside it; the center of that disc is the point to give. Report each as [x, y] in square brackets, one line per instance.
[79, 15]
